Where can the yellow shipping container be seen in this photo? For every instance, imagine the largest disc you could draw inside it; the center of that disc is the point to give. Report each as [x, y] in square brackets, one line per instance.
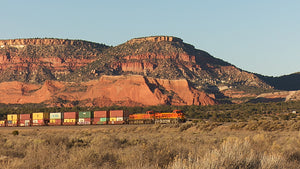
[69, 120]
[72, 120]
[11, 117]
[40, 116]
[113, 119]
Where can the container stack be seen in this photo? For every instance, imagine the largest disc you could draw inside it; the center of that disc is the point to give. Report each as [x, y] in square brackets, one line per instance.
[40, 119]
[118, 116]
[13, 120]
[2, 123]
[70, 118]
[85, 118]
[56, 119]
[25, 120]
[101, 117]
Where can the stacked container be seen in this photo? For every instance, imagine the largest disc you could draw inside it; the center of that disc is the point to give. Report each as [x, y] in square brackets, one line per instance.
[40, 119]
[70, 118]
[56, 119]
[101, 117]
[118, 117]
[25, 120]
[2, 123]
[85, 118]
[13, 120]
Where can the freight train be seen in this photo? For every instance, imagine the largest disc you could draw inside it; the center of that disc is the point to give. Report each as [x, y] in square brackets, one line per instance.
[91, 118]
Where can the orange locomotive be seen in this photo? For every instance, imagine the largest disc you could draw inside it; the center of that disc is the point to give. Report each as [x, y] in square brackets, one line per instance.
[151, 117]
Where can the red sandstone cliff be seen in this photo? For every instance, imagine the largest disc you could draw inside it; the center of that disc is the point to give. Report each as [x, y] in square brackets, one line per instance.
[108, 90]
[37, 60]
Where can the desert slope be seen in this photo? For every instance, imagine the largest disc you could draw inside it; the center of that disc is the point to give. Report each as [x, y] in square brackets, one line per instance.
[108, 90]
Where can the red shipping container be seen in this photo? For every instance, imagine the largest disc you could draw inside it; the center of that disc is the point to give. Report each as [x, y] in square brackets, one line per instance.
[70, 115]
[55, 122]
[69, 123]
[118, 113]
[25, 116]
[101, 114]
[24, 123]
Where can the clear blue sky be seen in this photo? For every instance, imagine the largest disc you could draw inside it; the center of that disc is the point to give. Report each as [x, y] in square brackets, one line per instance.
[261, 36]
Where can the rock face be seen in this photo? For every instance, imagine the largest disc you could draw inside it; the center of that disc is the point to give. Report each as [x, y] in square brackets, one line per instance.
[107, 91]
[37, 60]
[142, 71]
[154, 39]
[167, 57]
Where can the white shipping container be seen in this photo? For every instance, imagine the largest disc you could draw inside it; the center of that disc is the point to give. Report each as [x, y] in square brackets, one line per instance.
[57, 115]
[120, 118]
[27, 122]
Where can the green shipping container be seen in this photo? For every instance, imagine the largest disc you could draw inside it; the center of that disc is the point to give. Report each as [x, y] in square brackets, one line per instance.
[85, 114]
[104, 119]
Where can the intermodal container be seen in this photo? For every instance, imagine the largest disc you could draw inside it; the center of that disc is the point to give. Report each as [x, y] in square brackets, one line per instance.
[13, 117]
[116, 120]
[25, 123]
[101, 114]
[56, 115]
[84, 121]
[112, 119]
[118, 113]
[40, 116]
[39, 122]
[12, 123]
[55, 122]
[25, 116]
[2, 123]
[70, 115]
[70, 122]
[85, 114]
[98, 120]
[104, 119]
[120, 118]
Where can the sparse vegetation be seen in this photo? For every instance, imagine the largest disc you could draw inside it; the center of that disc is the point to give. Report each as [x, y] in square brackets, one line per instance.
[151, 146]
[264, 135]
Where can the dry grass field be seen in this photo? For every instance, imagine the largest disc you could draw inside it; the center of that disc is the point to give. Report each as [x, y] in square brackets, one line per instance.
[201, 145]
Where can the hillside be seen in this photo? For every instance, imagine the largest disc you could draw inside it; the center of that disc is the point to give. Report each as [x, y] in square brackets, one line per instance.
[106, 91]
[286, 82]
[168, 58]
[37, 60]
[170, 71]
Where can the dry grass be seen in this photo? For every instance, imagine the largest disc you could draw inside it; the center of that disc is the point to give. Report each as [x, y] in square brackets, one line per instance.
[149, 146]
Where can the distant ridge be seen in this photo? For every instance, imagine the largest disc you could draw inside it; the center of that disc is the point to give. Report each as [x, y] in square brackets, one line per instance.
[286, 82]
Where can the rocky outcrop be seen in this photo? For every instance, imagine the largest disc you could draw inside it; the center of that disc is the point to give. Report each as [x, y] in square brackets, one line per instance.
[23, 42]
[107, 91]
[154, 39]
[27, 59]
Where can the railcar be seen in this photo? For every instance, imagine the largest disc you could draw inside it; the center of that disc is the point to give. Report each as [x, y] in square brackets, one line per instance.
[89, 118]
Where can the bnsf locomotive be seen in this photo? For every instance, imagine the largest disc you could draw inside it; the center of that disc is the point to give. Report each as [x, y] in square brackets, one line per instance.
[90, 118]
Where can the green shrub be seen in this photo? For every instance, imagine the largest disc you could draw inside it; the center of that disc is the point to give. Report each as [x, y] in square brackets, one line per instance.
[15, 132]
